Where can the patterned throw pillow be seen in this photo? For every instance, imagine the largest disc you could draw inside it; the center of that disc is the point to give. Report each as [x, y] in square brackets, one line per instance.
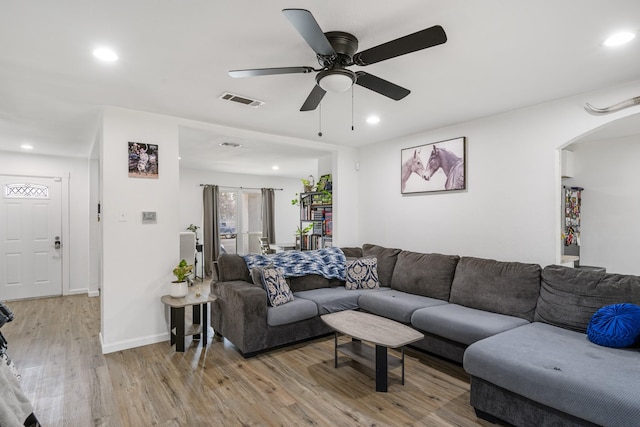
[256, 275]
[275, 285]
[362, 273]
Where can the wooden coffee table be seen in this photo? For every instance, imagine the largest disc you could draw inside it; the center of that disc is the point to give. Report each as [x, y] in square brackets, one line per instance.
[382, 332]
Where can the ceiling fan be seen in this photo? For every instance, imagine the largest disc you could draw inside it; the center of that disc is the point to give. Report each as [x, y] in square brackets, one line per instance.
[336, 50]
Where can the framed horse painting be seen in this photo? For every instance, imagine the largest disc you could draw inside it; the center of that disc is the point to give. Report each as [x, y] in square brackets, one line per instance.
[438, 166]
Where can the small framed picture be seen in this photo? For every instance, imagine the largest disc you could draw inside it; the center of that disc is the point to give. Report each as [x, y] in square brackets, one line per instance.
[437, 166]
[143, 160]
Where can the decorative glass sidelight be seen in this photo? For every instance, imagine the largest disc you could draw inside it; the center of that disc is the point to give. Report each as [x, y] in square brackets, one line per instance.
[26, 191]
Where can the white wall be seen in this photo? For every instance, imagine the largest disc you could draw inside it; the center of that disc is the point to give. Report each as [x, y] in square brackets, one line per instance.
[75, 174]
[287, 216]
[346, 198]
[510, 210]
[137, 258]
[609, 173]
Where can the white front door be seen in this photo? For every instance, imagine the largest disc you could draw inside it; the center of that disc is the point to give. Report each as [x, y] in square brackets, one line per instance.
[30, 226]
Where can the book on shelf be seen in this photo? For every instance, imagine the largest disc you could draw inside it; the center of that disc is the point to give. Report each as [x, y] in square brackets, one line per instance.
[315, 241]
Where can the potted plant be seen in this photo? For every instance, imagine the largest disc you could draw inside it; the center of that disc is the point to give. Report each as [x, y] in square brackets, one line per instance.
[194, 229]
[301, 232]
[179, 287]
[308, 184]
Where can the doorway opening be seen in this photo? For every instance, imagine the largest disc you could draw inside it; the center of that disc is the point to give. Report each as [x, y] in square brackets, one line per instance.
[240, 220]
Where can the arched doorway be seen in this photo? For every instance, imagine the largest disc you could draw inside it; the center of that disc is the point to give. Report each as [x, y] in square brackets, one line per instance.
[605, 162]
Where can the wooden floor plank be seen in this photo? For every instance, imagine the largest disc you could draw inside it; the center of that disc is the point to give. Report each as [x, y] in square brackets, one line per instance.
[55, 344]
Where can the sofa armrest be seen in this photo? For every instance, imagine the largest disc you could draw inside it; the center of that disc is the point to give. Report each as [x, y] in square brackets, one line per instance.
[240, 314]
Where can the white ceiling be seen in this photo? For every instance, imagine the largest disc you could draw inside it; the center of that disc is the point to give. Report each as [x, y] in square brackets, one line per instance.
[174, 57]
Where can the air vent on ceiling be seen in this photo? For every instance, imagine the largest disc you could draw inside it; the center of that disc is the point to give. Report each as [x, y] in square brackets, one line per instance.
[230, 144]
[241, 100]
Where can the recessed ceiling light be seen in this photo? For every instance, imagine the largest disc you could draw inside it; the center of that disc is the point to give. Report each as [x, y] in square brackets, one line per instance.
[26, 147]
[105, 54]
[372, 120]
[620, 38]
[275, 167]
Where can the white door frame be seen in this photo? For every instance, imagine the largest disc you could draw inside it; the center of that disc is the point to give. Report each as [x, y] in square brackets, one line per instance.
[64, 216]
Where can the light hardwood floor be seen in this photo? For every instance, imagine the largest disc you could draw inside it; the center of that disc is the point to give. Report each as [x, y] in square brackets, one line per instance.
[55, 345]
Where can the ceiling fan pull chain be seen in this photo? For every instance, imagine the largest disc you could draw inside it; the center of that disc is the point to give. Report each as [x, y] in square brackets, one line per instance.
[351, 107]
[320, 119]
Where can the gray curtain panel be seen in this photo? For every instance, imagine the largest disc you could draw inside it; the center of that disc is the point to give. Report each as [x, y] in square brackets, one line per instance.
[211, 227]
[268, 221]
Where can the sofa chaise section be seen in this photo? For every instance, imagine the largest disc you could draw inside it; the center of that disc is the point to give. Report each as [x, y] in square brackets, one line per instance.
[548, 372]
[559, 369]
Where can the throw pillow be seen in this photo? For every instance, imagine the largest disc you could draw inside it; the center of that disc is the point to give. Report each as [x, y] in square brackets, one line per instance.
[362, 273]
[275, 285]
[616, 325]
[256, 275]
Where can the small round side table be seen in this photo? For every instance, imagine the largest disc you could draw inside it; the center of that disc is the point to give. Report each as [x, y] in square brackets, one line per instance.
[200, 322]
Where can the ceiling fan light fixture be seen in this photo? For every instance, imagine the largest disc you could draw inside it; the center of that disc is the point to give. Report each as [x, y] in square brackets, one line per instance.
[336, 80]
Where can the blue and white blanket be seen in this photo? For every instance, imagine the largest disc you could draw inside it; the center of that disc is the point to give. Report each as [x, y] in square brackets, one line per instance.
[328, 262]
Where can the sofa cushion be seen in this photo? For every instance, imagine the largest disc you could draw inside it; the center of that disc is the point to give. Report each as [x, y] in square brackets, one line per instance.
[305, 283]
[429, 275]
[330, 300]
[394, 304]
[232, 267]
[463, 324]
[291, 312]
[273, 282]
[509, 288]
[352, 252]
[386, 261]
[570, 296]
[362, 273]
[563, 370]
[616, 325]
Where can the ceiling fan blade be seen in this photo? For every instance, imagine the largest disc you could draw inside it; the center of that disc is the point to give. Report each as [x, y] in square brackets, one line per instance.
[269, 71]
[310, 31]
[381, 86]
[429, 37]
[314, 98]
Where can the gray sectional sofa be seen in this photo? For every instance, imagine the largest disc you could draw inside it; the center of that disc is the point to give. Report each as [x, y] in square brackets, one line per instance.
[518, 329]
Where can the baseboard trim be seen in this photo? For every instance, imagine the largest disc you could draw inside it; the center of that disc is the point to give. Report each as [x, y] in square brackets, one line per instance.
[132, 343]
[93, 294]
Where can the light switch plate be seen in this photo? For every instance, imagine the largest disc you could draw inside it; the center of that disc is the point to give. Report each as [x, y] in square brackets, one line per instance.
[149, 218]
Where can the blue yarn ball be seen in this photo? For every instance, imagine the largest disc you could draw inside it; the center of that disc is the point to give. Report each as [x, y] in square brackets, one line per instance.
[616, 325]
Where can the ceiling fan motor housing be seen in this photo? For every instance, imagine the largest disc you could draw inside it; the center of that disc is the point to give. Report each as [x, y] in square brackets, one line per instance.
[345, 46]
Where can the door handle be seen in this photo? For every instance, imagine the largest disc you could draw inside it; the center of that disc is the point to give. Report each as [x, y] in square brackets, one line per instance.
[57, 244]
